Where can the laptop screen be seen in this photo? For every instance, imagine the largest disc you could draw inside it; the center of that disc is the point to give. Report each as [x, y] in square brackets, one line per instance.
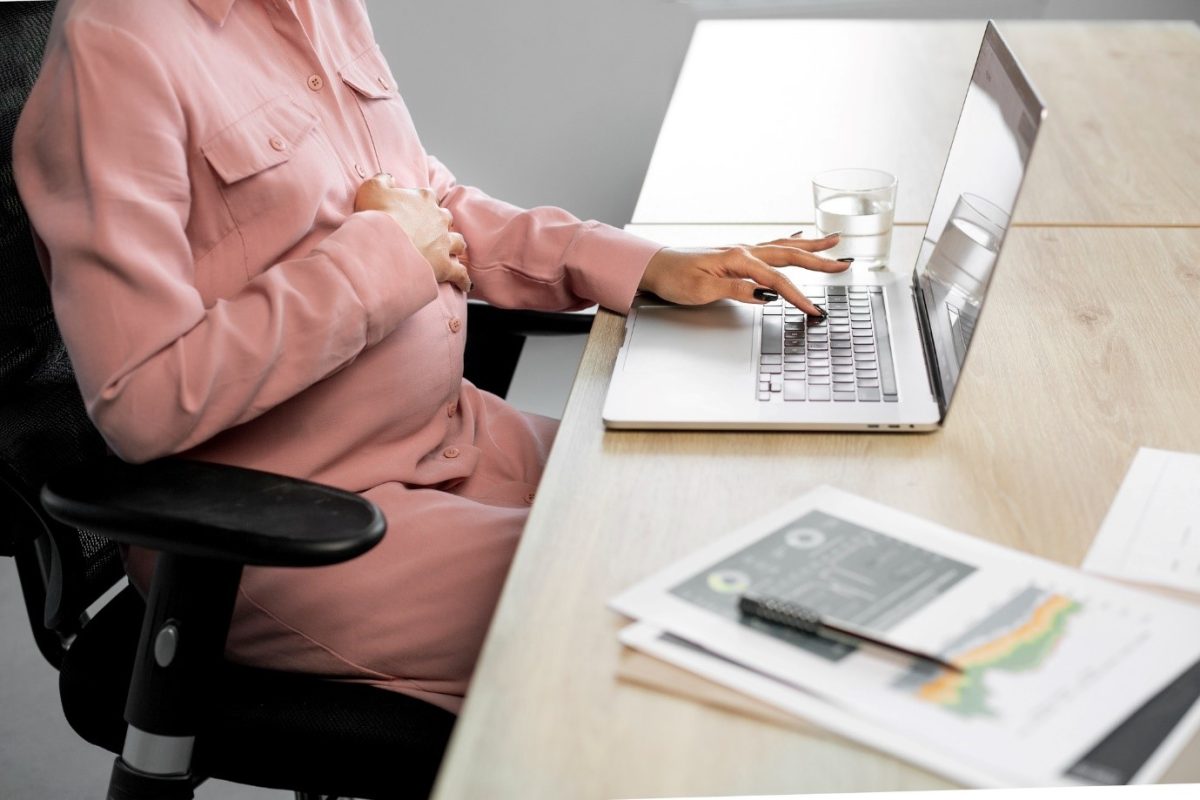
[973, 207]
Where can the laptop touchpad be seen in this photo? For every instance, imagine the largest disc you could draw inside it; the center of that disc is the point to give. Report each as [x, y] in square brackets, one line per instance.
[692, 339]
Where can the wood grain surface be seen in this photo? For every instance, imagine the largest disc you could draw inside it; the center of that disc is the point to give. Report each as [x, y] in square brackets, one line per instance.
[1088, 349]
[763, 105]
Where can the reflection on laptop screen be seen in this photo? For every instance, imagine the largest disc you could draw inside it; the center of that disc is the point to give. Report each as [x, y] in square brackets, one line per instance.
[974, 203]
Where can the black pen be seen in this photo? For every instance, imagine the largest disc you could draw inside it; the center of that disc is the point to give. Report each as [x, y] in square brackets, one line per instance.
[803, 619]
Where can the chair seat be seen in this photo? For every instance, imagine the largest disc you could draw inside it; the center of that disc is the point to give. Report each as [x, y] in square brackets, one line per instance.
[266, 728]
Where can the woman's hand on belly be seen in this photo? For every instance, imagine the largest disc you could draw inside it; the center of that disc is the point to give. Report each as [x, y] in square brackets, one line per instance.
[426, 223]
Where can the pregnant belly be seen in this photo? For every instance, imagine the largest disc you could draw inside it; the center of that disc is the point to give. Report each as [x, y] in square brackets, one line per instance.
[368, 423]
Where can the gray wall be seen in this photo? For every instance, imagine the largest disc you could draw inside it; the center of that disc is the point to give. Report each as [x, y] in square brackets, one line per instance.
[539, 102]
[558, 102]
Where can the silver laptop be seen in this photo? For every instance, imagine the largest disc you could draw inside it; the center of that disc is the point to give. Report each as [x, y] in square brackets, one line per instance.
[889, 354]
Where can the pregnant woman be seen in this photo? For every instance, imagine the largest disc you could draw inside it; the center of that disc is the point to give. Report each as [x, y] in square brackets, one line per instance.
[254, 261]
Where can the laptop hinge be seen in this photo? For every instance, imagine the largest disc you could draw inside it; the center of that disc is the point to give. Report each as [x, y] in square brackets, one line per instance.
[931, 367]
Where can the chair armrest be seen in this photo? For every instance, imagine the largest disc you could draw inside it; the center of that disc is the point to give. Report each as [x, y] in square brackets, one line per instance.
[193, 508]
[493, 319]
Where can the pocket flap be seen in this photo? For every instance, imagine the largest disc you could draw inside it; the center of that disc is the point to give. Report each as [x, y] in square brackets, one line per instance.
[368, 74]
[261, 139]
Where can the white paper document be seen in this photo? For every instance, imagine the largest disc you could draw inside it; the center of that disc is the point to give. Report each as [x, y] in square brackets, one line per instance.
[1152, 531]
[805, 705]
[1066, 678]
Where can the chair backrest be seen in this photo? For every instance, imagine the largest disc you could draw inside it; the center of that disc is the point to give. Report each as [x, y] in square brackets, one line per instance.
[43, 425]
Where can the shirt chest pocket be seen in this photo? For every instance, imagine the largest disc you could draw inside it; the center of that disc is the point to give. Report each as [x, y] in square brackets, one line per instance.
[389, 125]
[274, 172]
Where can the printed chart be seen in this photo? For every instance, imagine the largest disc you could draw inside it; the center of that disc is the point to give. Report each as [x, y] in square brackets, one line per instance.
[833, 566]
[1017, 637]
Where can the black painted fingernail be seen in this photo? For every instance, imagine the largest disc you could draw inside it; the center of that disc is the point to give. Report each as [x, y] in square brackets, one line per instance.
[846, 260]
[765, 294]
[797, 233]
[824, 313]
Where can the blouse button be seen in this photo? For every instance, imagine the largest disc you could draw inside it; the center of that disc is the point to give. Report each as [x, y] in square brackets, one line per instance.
[455, 325]
[383, 82]
[362, 173]
[315, 82]
[450, 452]
[529, 498]
[277, 143]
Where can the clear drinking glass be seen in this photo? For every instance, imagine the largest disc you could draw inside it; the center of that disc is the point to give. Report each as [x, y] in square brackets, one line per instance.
[860, 204]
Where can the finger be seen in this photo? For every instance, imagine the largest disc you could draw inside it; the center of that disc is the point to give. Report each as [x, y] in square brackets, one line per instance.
[757, 271]
[741, 290]
[370, 194]
[447, 217]
[459, 276]
[384, 178]
[811, 245]
[458, 244]
[780, 256]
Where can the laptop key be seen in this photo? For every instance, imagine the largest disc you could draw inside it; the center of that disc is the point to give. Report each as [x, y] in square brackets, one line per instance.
[887, 374]
[793, 390]
[764, 395]
[776, 383]
[868, 394]
[818, 392]
[772, 330]
[794, 358]
[771, 369]
[771, 359]
[818, 380]
[843, 397]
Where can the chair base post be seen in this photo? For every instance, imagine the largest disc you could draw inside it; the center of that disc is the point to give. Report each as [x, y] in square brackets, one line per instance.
[128, 783]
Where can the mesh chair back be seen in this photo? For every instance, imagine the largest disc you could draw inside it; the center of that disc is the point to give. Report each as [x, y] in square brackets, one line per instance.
[43, 425]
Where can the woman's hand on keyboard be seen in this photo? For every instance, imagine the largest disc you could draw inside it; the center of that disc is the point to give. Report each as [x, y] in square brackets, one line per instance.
[692, 276]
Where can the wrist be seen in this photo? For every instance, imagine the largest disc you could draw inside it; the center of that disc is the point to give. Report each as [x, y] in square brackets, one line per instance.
[653, 269]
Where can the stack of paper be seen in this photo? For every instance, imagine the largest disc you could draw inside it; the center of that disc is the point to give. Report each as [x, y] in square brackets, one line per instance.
[1067, 678]
[1152, 531]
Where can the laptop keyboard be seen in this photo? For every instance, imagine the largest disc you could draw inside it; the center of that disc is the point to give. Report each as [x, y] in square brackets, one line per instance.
[846, 358]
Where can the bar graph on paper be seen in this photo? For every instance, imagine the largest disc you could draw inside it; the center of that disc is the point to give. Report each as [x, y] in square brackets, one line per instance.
[1152, 531]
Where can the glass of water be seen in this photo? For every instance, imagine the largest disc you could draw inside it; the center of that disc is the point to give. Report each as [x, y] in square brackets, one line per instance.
[860, 204]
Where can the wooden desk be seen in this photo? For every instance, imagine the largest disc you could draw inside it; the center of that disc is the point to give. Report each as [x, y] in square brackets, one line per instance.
[758, 111]
[1055, 401]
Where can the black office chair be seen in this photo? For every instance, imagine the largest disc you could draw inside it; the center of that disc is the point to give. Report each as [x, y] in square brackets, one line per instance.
[146, 680]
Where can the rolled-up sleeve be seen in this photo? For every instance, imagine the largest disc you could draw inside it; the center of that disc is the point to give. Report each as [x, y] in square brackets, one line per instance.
[541, 258]
[100, 158]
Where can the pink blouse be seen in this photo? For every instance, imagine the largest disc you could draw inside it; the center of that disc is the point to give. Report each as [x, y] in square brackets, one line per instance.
[191, 167]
